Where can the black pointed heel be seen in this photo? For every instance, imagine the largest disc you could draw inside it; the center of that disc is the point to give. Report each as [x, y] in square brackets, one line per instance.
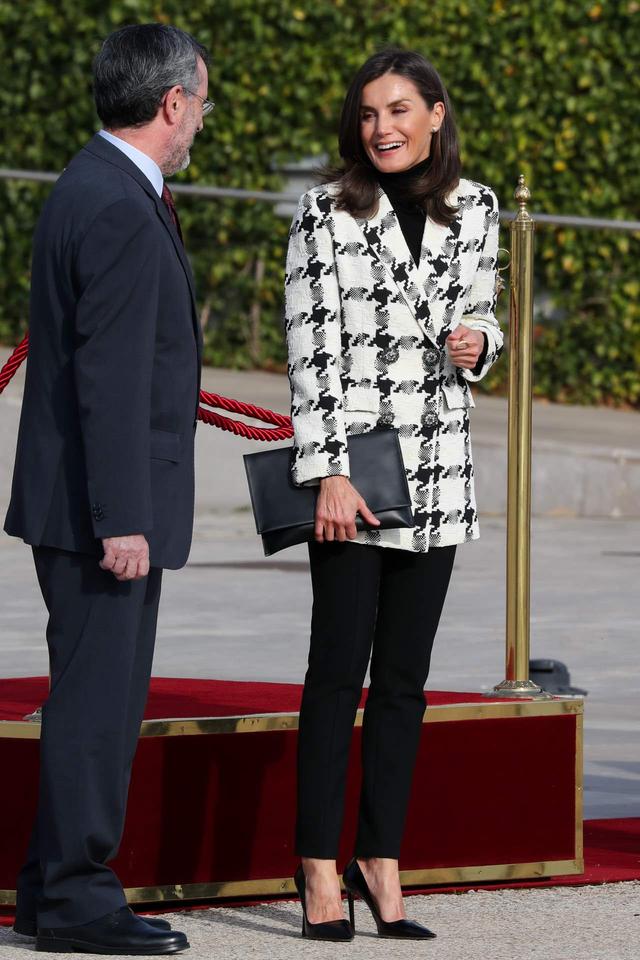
[356, 886]
[335, 930]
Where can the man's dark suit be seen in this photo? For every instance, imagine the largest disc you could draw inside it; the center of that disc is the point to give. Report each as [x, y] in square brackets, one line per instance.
[105, 449]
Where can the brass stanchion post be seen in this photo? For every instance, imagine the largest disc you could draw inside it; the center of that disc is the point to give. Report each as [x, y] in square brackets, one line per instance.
[517, 681]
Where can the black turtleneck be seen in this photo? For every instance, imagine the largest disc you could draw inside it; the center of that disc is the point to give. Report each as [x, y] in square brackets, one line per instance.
[410, 216]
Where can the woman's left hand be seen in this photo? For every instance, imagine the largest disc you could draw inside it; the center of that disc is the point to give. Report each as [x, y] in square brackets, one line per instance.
[464, 346]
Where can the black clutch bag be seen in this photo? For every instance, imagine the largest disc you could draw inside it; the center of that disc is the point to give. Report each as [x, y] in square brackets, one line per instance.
[285, 514]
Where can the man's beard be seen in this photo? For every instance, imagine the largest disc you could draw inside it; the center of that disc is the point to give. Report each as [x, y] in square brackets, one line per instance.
[186, 161]
[178, 156]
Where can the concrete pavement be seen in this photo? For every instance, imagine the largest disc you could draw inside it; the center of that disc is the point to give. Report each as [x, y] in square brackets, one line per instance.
[234, 614]
[571, 923]
[586, 460]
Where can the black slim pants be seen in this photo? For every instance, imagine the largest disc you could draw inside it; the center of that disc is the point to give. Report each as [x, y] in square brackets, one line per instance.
[100, 635]
[383, 603]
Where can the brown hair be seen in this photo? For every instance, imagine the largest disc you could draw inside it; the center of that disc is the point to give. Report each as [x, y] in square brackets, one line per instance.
[357, 180]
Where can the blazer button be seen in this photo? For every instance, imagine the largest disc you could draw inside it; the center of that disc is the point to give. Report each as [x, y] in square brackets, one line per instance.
[391, 355]
[385, 418]
[430, 419]
[430, 359]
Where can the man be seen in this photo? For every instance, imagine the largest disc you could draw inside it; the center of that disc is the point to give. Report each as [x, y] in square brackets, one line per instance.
[103, 484]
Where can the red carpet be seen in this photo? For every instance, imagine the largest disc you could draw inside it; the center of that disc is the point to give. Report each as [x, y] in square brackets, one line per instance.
[170, 697]
[611, 855]
[218, 807]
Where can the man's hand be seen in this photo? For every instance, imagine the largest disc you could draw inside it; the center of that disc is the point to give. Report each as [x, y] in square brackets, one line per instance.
[465, 346]
[126, 557]
[336, 509]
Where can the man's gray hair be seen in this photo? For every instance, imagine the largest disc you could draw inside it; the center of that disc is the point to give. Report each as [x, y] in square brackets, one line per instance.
[136, 66]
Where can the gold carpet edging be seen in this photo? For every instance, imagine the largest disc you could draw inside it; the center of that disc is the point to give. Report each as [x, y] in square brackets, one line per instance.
[265, 722]
[440, 876]
[578, 849]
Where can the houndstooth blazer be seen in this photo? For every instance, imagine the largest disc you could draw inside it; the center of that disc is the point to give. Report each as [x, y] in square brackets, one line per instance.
[366, 330]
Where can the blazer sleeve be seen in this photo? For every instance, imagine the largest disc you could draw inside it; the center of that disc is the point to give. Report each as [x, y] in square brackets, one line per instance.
[480, 309]
[312, 322]
[117, 268]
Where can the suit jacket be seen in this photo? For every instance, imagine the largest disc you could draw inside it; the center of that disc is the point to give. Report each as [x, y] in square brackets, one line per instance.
[106, 440]
[366, 330]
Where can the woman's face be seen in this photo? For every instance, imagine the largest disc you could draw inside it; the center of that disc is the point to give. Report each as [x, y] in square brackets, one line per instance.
[396, 124]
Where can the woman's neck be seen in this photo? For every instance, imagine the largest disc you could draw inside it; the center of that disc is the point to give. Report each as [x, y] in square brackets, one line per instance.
[402, 178]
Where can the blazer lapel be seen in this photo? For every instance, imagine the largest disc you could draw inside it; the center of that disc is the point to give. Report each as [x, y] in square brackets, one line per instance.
[180, 250]
[386, 243]
[107, 152]
[425, 287]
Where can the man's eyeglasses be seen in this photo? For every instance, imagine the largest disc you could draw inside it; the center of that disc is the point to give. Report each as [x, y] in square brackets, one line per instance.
[207, 105]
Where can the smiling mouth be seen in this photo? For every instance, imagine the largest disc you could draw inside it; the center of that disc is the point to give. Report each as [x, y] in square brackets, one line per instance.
[389, 147]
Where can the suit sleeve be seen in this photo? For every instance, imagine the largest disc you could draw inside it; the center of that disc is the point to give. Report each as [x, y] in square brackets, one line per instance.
[480, 309]
[117, 270]
[312, 321]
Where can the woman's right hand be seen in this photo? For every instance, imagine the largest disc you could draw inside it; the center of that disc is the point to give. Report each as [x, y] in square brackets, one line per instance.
[336, 509]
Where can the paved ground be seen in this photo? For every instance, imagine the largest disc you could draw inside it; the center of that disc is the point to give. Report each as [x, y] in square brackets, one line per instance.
[234, 614]
[586, 460]
[587, 923]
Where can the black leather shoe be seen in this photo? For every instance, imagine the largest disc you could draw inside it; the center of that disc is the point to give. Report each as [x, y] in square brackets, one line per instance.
[334, 930]
[119, 934]
[156, 922]
[356, 886]
[29, 928]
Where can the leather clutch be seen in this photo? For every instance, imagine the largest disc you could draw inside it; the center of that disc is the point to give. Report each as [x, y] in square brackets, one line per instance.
[285, 514]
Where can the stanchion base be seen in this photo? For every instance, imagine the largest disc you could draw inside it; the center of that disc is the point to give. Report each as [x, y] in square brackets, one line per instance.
[519, 688]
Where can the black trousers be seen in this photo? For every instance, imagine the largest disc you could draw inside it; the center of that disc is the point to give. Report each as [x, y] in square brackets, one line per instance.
[100, 635]
[383, 603]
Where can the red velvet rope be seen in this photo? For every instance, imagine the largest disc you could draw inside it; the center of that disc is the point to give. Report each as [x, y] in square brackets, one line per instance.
[281, 431]
[14, 361]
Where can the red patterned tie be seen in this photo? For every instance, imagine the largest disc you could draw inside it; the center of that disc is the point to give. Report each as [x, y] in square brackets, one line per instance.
[167, 199]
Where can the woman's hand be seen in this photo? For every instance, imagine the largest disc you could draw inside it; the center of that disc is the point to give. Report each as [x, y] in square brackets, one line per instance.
[464, 346]
[336, 509]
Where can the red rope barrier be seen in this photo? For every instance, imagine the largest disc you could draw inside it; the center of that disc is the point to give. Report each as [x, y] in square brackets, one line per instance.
[247, 409]
[244, 429]
[281, 431]
[8, 371]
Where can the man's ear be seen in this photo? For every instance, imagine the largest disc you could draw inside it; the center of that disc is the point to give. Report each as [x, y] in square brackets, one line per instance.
[172, 104]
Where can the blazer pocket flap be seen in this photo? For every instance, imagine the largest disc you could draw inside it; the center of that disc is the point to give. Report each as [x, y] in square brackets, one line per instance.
[362, 398]
[166, 446]
[457, 395]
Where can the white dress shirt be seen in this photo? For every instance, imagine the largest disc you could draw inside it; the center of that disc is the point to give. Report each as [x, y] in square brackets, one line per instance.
[144, 162]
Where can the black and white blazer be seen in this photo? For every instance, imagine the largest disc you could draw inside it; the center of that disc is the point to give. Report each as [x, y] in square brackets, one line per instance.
[366, 330]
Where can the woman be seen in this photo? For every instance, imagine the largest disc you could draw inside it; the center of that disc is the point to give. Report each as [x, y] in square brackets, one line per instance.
[390, 299]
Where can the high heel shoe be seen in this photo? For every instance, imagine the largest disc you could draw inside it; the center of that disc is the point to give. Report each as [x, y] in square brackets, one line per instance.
[334, 930]
[356, 885]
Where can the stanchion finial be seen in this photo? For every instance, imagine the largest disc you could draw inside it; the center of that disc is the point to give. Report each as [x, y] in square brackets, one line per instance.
[522, 195]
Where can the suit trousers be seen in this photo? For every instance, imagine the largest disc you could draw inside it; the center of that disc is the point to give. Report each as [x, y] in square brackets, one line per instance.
[384, 603]
[101, 635]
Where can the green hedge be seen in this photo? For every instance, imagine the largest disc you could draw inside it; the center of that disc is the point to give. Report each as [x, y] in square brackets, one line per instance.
[547, 87]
